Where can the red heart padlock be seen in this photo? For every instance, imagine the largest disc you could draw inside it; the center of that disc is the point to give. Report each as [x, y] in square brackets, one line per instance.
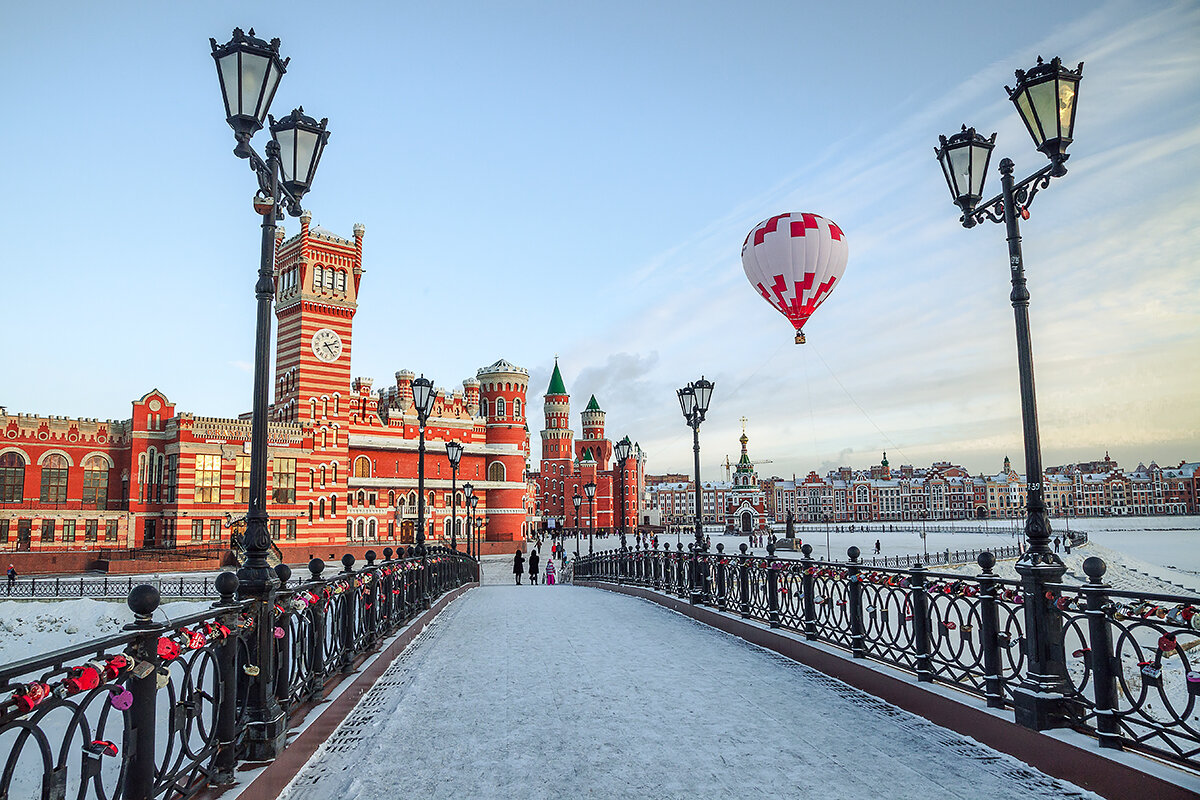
[1166, 643]
[168, 650]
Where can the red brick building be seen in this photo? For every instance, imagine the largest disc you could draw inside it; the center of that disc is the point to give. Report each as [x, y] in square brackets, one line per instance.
[568, 464]
[342, 460]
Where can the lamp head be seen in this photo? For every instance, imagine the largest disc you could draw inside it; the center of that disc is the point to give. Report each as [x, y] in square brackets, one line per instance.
[964, 158]
[249, 70]
[422, 389]
[301, 142]
[454, 451]
[1045, 98]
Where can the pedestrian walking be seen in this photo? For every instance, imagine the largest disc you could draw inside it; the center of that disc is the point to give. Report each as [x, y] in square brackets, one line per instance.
[550, 572]
[533, 568]
[877, 547]
[1067, 545]
[518, 566]
[12, 577]
[1056, 544]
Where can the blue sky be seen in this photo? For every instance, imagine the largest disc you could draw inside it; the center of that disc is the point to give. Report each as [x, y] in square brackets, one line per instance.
[541, 178]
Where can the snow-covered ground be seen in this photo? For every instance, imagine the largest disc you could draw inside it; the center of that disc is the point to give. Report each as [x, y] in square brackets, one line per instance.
[575, 703]
[32, 627]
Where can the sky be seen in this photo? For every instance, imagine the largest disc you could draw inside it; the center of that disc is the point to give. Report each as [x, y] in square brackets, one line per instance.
[542, 179]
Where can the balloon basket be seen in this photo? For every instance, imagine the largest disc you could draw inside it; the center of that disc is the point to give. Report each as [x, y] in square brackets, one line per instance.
[799, 338]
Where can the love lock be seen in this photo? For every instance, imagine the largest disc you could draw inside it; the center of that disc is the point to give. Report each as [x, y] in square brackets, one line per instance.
[250, 670]
[1151, 672]
[1193, 683]
[278, 632]
[100, 747]
[1167, 643]
[120, 698]
[161, 679]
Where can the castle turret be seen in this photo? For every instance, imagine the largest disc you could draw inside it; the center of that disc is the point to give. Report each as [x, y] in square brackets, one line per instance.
[593, 435]
[502, 401]
[557, 448]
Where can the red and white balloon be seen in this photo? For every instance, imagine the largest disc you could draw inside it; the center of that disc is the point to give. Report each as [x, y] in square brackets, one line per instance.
[794, 261]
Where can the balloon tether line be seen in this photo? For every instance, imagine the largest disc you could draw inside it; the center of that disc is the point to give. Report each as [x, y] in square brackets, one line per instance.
[859, 407]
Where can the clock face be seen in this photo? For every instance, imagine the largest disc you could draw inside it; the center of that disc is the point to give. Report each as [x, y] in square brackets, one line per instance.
[327, 345]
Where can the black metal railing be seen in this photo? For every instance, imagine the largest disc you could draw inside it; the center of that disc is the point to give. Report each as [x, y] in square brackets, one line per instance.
[1131, 657]
[159, 710]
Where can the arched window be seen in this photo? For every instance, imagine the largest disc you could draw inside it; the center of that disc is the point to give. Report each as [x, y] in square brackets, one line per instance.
[333, 506]
[430, 500]
[349, 530]
[362, 497]
[446, 528]
[517, 408]
[95, 482]
[318, 278]
[322, 475]
[483, 407]
[361, 529]
[499, 408]
[412, 499]
[495, 471]
[372, 529]
[391, 498]
[312, 408]
[362, 467]
[310, 511]
[322, 508]
[341, 280]
[12, 477]
[54, 479]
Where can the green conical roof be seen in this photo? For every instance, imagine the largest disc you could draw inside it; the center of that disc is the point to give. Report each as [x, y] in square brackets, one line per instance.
[587, 455]
[556, 382]
[592, 405]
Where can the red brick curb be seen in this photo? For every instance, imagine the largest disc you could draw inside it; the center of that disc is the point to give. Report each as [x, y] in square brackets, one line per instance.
[1085, 768]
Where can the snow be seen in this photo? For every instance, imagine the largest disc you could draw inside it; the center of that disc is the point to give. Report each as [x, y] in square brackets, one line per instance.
[33, 627]
[563, 691]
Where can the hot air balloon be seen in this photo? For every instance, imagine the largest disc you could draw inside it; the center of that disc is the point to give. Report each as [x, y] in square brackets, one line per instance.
[794, 261]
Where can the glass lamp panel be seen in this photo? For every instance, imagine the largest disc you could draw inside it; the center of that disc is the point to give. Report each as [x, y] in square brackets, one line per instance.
[468, 488]
[1027, 115]
[306, 143]
[687, 401]
[576, 501]
[703, 392]
[959, 158]
[590, 490]
[1043, 98]
[980, 156]
[227, 65]
[422, 395]
[270, 84]
[254, 72]
[1066, 107]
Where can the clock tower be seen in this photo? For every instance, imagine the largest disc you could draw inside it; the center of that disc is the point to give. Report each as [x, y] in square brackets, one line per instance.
[317, 274]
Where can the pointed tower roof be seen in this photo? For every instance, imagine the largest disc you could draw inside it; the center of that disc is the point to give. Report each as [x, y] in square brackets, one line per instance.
[587, 455]
[592, 405]
[556, 382]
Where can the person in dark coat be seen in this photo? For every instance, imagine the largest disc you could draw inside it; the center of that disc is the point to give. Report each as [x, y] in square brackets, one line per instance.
[12, 576]
[533, 567]
[519, 566]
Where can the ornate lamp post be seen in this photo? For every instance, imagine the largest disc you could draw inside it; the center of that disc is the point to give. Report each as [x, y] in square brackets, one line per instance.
[468, 489]
[576, 501]
[589, 489]
[1045, 98]
[474, 501]
[423, 403]
[454, 451]
[693, 400]
[621, 451]
[249, 70]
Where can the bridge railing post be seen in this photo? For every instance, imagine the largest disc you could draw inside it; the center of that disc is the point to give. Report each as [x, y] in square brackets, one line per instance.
[808, 582]
[772, 587]
[316, 631]
[140, 769]
[744, 581]
[225, 761]
[346, 613]
[1103, 663]
[680, 571]
[919, 603]
[989, 620]
[719, 577]
[282, 634]
[854, 587]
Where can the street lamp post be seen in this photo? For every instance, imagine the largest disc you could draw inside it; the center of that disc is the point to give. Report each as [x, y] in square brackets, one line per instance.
[827, 522]
[622, 451]
[249, 70]
[589, 489]
[454, 451]
[473, 502]
[468, 491]
[422, 389]
[576, 501]
[1045, 99]
[693, 400]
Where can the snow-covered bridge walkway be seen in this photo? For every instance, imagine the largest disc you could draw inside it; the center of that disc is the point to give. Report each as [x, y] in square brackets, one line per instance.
[562, 691]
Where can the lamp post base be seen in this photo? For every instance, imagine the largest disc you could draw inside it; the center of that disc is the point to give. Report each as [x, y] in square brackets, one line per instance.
[1044, 697]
